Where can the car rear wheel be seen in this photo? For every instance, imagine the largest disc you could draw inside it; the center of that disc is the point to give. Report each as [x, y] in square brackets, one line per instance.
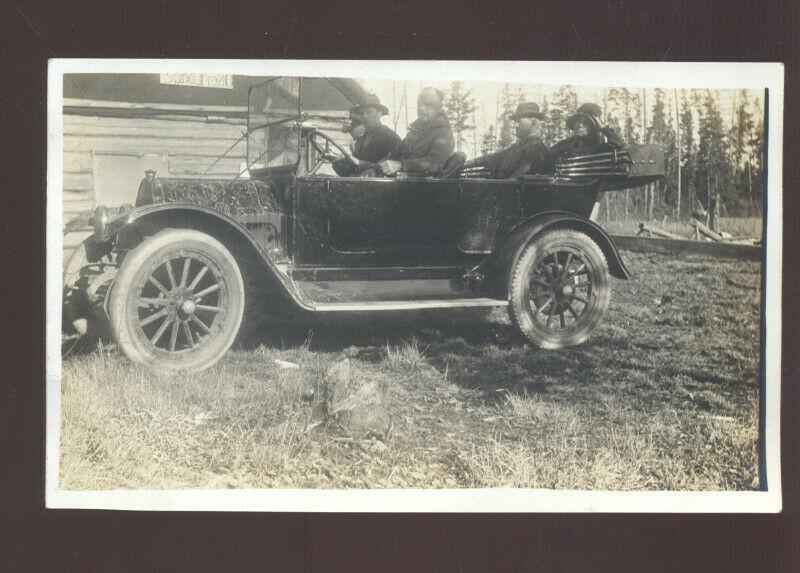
[559, 290]
[177, 301]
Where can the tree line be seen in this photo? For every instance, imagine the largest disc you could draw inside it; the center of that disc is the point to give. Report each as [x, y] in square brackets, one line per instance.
[704, 154]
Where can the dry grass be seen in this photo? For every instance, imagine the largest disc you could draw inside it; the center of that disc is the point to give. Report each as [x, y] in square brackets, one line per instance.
[661, 397]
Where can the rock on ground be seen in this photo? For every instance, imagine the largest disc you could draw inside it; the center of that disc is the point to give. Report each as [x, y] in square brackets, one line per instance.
[357, 405]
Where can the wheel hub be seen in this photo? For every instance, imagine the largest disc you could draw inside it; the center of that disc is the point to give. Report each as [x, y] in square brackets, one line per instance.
[188, 307]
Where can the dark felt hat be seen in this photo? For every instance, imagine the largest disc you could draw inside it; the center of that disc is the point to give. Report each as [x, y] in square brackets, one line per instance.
[588, 111]
[371, 100]
[528, 109]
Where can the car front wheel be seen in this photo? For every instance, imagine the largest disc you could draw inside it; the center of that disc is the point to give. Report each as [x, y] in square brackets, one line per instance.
[177, 301]
[559, 289]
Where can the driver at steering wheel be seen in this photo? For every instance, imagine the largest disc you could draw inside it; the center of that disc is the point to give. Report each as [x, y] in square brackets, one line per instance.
[375, 144]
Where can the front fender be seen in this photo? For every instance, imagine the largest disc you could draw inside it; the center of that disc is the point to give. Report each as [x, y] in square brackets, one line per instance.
[140, 222]
[515, 241]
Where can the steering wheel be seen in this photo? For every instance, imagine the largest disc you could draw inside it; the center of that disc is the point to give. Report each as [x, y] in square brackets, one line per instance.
[324, 147]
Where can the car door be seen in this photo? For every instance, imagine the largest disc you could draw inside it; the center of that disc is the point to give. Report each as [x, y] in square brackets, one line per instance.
[362, 215]
[427, 220]
[392, 222]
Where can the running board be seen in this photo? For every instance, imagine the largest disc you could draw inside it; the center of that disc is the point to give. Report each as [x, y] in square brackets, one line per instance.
[408, 304]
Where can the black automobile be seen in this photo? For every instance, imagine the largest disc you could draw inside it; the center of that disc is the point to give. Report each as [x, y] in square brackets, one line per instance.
[172, 278]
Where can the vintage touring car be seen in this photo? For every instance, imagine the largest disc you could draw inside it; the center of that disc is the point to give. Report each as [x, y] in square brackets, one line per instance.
[172, 278]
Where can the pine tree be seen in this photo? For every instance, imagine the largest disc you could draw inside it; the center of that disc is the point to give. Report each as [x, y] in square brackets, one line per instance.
[661, 133]
[564, 104]
[510, 97]
[488, 140]
[549, 131]
[756, 162]
[713, 159]
[745, 143]
[459, 106]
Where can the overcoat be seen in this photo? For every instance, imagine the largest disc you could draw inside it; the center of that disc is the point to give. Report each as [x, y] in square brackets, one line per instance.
[427, 146]
[528, 155]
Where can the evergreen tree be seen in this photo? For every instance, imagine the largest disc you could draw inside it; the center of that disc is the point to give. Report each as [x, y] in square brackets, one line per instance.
[661, 133]
[488, 141]
[510, 97]
[689, 149]
[459, 106]
[746, 142]
[564, 104]
[713, 159]
[549, 128]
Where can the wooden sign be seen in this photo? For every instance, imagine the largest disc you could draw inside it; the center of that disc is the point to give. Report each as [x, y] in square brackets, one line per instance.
[221, 81]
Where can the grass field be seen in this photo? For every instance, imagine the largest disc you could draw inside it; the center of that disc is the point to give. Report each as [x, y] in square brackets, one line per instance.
[664, 396]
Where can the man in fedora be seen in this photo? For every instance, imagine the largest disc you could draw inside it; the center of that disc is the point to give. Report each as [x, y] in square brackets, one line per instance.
[372, 141]
[589, 135]
[527, 155]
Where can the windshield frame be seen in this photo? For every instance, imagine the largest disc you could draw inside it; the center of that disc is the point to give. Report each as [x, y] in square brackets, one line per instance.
[296, 118]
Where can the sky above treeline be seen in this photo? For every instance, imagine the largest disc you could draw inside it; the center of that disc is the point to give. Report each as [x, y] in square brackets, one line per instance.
[401, 96]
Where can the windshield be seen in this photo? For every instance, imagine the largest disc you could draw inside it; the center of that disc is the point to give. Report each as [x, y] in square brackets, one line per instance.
[273, 136]
[276, 108]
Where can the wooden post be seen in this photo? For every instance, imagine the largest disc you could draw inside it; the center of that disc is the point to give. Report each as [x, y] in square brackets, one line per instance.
[678, 134]
[703, 229]
[647, 206]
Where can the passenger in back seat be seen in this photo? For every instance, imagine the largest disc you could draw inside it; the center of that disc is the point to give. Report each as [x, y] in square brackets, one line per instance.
[527, 156]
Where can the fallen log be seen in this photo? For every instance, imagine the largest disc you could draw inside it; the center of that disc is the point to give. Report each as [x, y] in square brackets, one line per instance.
[657, 232]
[673, 247]
[701, 228]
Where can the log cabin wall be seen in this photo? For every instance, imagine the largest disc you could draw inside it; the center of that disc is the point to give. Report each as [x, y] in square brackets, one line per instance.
[106, 157]
[116, 126]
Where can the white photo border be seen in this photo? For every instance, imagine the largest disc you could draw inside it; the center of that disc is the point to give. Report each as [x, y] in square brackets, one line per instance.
[760, 76]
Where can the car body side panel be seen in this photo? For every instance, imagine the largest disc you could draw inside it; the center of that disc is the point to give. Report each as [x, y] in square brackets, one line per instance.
[578, 200]
[375, 222]
[485, 210]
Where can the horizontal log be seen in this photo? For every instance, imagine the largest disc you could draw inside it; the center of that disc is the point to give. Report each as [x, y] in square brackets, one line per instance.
[69, 216]
[149, 145]
[687, 247]
[73, 239]
[76, 196]
[229, 135]
[199, 166]
[643, 228]
[77, 162]
[90, 103]
[165, 121]
[78, 182]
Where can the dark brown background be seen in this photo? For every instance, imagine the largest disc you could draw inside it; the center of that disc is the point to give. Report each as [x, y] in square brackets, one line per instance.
[32, 538]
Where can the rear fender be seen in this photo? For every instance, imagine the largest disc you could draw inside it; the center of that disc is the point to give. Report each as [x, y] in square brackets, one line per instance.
[515, 241]
[146, 221]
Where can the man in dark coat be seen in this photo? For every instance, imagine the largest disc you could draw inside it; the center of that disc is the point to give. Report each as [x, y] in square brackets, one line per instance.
[374, 143]
[527, 155]
[589, 135]
[429, 142]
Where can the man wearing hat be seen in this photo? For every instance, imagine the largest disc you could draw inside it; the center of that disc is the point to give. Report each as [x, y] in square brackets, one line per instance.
[375, 143]
[429, 142]
[589, 135]
[527, 155]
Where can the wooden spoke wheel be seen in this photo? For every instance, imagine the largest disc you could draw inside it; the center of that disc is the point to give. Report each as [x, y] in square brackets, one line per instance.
[559, 291]
[177, 301]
